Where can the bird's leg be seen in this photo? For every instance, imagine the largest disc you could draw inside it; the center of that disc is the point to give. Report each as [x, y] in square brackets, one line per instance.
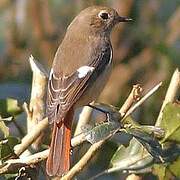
[100, 110]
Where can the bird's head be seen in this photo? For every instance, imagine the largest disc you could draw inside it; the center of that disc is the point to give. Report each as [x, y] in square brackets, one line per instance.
[98, 19]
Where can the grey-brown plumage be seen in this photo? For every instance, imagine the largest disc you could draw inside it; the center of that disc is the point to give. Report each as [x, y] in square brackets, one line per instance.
[79, 72]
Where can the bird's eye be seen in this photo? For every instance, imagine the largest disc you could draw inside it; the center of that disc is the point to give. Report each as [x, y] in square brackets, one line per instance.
[103, 15]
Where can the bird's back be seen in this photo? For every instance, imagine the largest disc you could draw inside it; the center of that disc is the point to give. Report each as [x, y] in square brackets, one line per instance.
[77, 48]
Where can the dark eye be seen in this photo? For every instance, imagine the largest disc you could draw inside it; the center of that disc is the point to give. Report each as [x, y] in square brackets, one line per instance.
[103, 15]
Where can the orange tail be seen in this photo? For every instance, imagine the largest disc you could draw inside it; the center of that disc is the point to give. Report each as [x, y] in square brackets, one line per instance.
[58, 162]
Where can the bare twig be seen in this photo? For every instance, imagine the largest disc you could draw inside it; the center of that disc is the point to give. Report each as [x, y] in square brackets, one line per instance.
[135, 95]
[86, 113]
[12, 164]
[89, 154]
[84, 160]
[31, 137]
[132, 109]
[84, 118]
[36, 131]
[171, 93]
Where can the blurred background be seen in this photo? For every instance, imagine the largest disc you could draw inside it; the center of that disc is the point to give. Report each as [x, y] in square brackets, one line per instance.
[146, 51]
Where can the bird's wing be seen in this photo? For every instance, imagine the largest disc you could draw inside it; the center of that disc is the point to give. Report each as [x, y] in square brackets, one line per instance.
[64, 91]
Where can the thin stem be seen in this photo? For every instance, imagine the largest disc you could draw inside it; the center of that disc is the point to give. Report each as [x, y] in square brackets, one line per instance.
[132, 109]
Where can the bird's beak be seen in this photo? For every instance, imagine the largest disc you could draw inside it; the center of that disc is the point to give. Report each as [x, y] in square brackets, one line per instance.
[122, 19]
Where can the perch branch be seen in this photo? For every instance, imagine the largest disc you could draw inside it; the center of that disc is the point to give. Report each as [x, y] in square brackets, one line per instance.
[89, 154]
[11, 165]
[84, 160]
[34, 134]
[31, 137]
[84, 118]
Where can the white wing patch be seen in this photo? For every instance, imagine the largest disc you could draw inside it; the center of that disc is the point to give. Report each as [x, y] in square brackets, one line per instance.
[50, 74]
[110, 60]
[83, 71]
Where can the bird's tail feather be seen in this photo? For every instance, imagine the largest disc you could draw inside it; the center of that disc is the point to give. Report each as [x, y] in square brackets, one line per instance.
[58, 162]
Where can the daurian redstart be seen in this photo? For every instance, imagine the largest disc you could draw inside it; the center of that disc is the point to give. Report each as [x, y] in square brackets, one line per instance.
[80, 70]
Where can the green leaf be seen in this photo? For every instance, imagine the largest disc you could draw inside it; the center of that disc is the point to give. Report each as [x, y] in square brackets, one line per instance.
[6, 147]
[99, 132]
[171, 122]
[175, 167]
[163, 172]
[160, 171]
[133, 158]
[9, 107]
[11, 176]
[12, 106]
[130, 125]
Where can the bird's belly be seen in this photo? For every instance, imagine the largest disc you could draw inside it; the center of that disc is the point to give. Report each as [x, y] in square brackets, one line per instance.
[93, 92]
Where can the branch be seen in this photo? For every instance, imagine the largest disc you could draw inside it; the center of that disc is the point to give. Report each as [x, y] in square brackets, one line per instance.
[31, 137]
[32, 159]
[84, 160]
[144, 98]
[92, 150]
[86, 112]
[171, 93]
[135, 95]
[34, 134]
[35, 112]
[84, 118]
[14, 164]
[42, 125]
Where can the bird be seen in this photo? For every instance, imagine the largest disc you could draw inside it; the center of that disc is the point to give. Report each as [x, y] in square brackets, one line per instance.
[80, 70]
